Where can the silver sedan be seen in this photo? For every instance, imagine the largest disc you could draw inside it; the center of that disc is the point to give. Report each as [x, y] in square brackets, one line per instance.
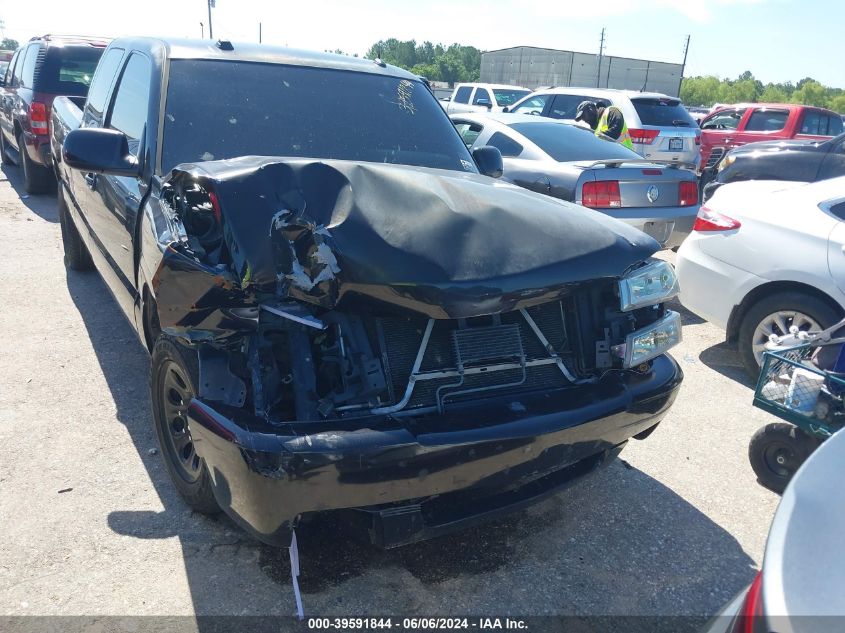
[569, 162]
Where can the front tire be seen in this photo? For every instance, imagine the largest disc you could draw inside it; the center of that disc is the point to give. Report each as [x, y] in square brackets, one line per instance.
[174, 373]
[775, 314]
[776, 452]
[77, 256]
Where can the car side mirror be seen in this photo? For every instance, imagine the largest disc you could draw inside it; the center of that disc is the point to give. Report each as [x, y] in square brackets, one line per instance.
[485, 103]
[99, 150]
[489, 161]
[446, 99]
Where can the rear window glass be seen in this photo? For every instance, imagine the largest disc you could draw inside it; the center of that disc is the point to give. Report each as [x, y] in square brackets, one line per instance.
[505, 97]
[766, 121]
[462, 95]
[68, 70]
[820, 124]
[663, 112]
[571, 142]
[505, 144]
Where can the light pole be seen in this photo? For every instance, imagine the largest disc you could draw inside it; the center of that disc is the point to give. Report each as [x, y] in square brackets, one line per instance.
[211, 4]
[202, 31]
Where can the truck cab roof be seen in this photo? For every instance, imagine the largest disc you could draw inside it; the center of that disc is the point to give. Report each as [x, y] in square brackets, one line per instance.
[176, 48]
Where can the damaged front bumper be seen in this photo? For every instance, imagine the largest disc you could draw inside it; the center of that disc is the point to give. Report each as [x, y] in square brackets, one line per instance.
[412, 478]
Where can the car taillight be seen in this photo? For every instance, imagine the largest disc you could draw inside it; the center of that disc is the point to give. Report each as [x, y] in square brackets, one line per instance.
[752, 607]
[688, 194]
[698, 139]
[38, 117]
[601, 194]
[709, 220]
[643, 137]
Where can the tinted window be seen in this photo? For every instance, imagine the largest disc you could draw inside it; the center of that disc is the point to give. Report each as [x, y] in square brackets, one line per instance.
[19, 65]
[506, 145]
[462, 95]
[506, 97]
[28, 73]
[564, 106]
[283, 110]
[571, 142]
[68, 70]
[129, 112]
[534, 105]
[766, 121]
[103, 80]
[813, 123]
[664, 112]
[834, 125]
[8, 75]
[723, 120]
[838, 210]
[481, 94]
[469, 132]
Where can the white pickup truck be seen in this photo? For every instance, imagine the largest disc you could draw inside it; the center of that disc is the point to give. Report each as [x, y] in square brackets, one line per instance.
[483, 97]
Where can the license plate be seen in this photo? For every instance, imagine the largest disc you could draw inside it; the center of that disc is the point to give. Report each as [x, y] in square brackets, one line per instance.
[676, 144]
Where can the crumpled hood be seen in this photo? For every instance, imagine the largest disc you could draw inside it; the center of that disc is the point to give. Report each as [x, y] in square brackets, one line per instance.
[442, 243]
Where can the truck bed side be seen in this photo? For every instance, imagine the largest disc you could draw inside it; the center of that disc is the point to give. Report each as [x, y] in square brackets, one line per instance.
[66, 116]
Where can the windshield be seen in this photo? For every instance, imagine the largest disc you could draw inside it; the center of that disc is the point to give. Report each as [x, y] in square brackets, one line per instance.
[506, 97]
[663, 112]
[565, 142]
[224, 109]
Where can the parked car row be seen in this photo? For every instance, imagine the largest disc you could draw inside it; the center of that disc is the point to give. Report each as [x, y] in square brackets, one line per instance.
[570, 163]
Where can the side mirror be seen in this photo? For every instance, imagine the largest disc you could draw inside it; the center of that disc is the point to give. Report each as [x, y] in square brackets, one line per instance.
[484, 103]
[99, 150]
[449, 98]
[489, 161]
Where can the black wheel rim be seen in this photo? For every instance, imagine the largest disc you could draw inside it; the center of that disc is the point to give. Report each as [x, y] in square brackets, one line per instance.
[781, 459]
[175, 394]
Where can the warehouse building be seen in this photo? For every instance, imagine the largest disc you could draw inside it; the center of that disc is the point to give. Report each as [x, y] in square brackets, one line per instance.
[534, 68]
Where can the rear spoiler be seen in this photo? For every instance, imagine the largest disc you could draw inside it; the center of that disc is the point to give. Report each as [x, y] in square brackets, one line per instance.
[615, 162]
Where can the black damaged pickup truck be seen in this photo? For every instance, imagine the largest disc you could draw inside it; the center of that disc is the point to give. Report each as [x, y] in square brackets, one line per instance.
[343, 313]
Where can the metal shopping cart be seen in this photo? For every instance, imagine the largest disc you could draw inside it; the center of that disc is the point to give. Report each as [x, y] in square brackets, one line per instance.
[802, 381]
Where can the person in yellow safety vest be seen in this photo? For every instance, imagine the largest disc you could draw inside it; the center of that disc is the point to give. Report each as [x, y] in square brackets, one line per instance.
[606, 121]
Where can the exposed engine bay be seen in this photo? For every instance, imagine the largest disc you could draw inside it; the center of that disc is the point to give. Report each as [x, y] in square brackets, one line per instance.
[330, 290]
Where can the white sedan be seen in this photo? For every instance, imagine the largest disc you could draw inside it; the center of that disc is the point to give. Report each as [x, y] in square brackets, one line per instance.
[764, 256]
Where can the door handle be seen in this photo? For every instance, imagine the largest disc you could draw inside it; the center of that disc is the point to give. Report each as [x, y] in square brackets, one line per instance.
[91, 180]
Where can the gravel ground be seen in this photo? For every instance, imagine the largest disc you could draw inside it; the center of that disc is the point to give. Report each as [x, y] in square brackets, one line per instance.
[92, 526]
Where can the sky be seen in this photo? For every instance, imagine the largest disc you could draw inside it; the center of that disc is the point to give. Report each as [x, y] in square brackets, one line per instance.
[777, 40]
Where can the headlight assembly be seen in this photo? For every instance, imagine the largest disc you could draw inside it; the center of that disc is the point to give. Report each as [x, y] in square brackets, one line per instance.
[651, 341]
[726, 162]
[649, 285]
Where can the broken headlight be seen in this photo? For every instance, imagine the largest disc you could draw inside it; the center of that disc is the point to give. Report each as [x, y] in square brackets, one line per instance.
[651, 284]
[651, 341]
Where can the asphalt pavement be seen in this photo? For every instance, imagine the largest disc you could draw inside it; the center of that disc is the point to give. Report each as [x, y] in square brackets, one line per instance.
[91, 525]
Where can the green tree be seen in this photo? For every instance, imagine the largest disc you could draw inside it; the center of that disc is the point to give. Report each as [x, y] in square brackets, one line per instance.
[772, 93]
[9, 44]
[837, 104]
[453, 63]
[810, 93]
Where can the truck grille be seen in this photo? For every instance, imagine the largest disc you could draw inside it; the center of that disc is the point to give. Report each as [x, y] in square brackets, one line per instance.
[715, 156]
[473, 358]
